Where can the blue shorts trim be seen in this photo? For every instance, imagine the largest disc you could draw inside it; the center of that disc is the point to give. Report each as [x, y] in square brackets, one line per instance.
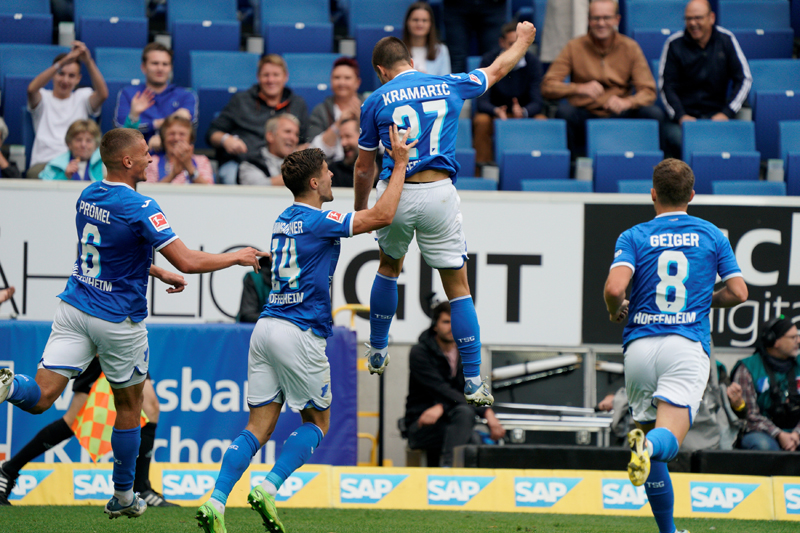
[57, 367]
[315, 406]
[675, 405]
[265, 403]
[384, 251]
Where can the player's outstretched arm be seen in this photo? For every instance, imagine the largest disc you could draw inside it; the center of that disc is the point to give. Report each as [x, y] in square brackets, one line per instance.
[382, 213]
[363, 178]
[614, 292]
[733, 293]
[506, 61]
[170, 278]
[196, 262]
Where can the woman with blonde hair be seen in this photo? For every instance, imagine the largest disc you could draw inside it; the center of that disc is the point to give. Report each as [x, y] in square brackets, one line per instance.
[430, 55]
[178, 163]
[82, 161]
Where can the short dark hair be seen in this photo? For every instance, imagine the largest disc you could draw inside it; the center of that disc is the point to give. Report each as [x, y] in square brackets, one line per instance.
[156, 47]
[388, 52]
[347, 62]
[673, 181]
[440, 309]
[299, 167]
[507, 28]
[114, 142]
[61, 56]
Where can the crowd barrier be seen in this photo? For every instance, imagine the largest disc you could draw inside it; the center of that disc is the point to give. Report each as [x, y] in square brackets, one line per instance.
[529, 491]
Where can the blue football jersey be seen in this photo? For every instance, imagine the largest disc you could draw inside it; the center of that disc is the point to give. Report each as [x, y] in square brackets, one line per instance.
[305, 250]
[675, 260]
[117, 229]
[428, 107]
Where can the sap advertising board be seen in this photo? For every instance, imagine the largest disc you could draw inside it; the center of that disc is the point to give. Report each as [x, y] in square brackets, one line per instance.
[522, 253]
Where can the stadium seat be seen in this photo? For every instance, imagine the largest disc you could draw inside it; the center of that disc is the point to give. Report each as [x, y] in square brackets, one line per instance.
[774, 75]
[762, 28]
[773, 44]
[25, 7]
[653, 15]
[465, 153]
[622, 149]
[789, 143]
[310, 76]
[720, 150]
[527, 148]
[30, 28]
[120, 23]
[119, 63]
[770, 108]
[215, 86]
[749, 188]
[634, 186]
[556, 186]
[475, 184]
[368, 22]
[115, 85]
[651, 41]
[300, 26]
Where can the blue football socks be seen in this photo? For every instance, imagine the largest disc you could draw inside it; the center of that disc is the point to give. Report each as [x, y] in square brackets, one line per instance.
[467, 334]
[382, 307]
[662, 499]
[296, 451]
[235, 461]
[125, 444]
[25, 392]
[665, 445]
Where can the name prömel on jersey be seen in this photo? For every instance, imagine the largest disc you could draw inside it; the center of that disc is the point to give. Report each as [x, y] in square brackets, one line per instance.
[677, 318]
[285, 299]
[288, 228]
[415, 93]
[97, 213]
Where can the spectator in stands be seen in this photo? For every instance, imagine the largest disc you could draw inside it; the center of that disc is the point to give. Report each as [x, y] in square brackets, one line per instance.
[238, 131]
[465, 18]
[54, 111]
[8, 169]
[518, 95]
[326, 118]
[178, 163]
[698, 65]
[145, 108]
[609, 74]
[343, 170]
[283, 137]
[420, 36]
[82, 161]
[438, 417]
[769, 381]
[256, 287]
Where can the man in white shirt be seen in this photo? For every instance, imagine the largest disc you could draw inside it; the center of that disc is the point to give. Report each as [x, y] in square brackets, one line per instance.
[282, 136]
[55, 110]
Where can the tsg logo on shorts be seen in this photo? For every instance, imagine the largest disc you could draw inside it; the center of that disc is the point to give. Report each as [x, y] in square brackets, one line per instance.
[542, 491]
[718, 497]
[27, 481]
[791, 493]
[367, 488]
[621, 494]
[455, 490]
[187, 484]
[92, 484]
[290, 487]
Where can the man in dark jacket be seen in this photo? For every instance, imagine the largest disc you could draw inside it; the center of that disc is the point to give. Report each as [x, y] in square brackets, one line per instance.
[518, 95]
[438, 417]
[238, 131]
[697, 66]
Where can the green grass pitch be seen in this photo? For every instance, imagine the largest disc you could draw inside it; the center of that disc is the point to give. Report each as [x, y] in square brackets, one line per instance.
[35, 519]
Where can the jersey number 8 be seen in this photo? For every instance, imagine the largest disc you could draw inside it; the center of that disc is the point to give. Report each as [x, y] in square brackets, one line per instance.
[677, 263]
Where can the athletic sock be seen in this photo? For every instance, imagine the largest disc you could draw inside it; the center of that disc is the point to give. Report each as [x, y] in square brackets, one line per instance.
[235, 461]
[142, 477]
[125, 497]
[296, 451]
[467, 334]
[125, 444]
[665, 445]
[25, 392]
[48, 437]
[382, 307]
[659, 492]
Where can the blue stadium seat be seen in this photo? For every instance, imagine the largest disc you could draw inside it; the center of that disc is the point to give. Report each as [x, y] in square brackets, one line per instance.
[310, 76]
[25, 7]
[634, 186]
[789, 142]
[749, 188]
[651, 41]
[556, 186]
[475, 184]
[366, 36]
[368, 22]
[622, 149]
[720, 150]
[653, 15]
[30, 28]
[763, 28]
[770, 108]
[527, 148]
[539, 15]
[120, 23]
[119, 63]
[465, 153]
[200, 10]
[774, 75]
[215, 86]
[772, 44]
[115, 85]
[299, 26]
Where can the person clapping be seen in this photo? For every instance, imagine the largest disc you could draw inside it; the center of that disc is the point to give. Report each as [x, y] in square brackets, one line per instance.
[178, 163]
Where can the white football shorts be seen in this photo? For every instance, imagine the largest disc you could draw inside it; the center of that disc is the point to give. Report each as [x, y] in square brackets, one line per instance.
[287, 364]
[432, 210]
[77, 336]
[668, 368]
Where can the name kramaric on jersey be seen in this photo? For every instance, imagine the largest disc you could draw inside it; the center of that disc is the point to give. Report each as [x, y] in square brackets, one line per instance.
[415, 93]
[105, 286]
[677, 318]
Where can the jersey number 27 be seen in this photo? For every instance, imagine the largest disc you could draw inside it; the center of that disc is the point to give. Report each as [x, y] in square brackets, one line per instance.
[433, 107]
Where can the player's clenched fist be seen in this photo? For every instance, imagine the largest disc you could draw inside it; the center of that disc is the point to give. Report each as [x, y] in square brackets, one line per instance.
[526, 32]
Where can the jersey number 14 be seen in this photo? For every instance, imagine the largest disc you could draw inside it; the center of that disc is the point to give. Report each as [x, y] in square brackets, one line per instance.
[285, 268]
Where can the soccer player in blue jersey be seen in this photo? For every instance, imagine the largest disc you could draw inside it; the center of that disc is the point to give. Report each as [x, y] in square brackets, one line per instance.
[673, 261]
[105, 302]
[287, 361]
[428, 108]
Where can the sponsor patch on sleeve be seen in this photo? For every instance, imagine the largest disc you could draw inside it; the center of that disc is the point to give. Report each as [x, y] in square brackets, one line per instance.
[475, 78]
[159, 221]
[336, 217]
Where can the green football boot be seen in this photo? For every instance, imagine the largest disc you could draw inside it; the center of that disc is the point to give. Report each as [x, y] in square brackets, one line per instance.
[210, 519]
[264, 503]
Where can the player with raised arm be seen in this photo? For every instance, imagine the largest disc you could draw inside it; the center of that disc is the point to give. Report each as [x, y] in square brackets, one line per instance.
[673, 260]
[287, 361]
[428, 108]
[104, 304]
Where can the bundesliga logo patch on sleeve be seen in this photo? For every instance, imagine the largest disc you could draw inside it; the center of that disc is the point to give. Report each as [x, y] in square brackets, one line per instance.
[475, 78]
[159, 221]
[336, 217]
